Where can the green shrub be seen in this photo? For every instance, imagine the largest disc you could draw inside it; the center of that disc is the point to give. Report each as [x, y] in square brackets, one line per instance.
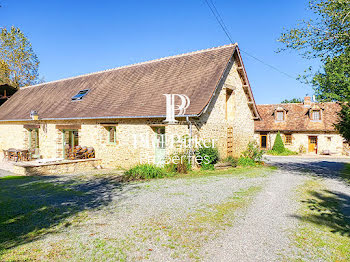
[207, 167]
[246, 161]
[178, 163]
[170, 168]
[278, 146]
[253, 152]
[145, 171]
[286, 152]
[231, 160]
[208, 155]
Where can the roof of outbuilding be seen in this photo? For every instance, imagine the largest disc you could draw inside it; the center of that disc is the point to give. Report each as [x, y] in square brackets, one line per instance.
[297, 117]
[134, 91]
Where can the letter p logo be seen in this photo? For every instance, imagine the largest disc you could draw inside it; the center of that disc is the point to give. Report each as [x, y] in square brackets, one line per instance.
[170, 107]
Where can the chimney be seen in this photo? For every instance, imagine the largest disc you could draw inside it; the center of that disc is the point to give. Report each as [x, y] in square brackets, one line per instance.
[307, 101]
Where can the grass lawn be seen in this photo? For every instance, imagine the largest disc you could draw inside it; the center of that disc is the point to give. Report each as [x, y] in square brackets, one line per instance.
[346, 173]
[286, 152]
[324, 231]
[34, 208]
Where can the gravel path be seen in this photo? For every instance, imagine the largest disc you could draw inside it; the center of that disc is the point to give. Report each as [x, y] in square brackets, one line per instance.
[262, 233]
[175, 219]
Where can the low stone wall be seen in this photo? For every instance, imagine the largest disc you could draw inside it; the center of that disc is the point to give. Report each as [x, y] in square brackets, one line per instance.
[63, 167]
[346, 149]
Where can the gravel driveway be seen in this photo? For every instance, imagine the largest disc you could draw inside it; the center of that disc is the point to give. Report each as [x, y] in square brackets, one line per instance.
[242, 216]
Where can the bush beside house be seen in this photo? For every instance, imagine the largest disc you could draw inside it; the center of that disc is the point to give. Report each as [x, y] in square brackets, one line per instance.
[251, 156]
[278, 146]
[207, 157]
[145, 171]
[279, 149]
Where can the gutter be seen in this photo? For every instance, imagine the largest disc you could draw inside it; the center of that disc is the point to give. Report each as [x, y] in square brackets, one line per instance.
[191, 152]
[92, 118]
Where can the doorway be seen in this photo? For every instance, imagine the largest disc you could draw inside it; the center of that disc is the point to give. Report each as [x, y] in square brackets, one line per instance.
[159, 146]
[313, 144]
[70, 140]
[263, 141]
[34, 142]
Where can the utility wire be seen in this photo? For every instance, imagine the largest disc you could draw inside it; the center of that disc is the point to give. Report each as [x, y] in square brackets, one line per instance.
[222, 24]
[220, 21]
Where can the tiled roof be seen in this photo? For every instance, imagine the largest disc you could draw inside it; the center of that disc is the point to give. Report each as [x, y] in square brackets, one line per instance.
[297, 117]
[129, 91]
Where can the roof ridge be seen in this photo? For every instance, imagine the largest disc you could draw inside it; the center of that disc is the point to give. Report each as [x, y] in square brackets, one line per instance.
[294, 103]
[136, 64]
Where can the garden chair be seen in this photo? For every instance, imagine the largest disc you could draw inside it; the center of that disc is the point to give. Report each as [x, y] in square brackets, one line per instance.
[12, 154]
[84, 152]
[90, 152]
[6, 155]
[79, 154]
[25, 155]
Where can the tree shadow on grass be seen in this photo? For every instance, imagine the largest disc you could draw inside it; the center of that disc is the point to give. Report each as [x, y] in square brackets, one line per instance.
[31, 207]
[329, 208]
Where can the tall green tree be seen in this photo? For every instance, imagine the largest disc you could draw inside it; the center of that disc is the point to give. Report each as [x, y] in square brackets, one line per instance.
[278, 146]
[333, 84]
[344, 124]
[327, 37]
[293, 100]
[18, 62]
[4, 72]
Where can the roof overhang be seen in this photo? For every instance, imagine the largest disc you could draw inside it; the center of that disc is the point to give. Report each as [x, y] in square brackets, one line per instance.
[243, 73]
[245, 82]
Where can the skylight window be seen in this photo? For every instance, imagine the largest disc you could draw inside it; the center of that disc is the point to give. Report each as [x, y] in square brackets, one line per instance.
[80, 94]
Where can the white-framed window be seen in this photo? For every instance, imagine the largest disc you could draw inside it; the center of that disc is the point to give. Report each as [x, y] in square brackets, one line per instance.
[280, 116]
[316, 115]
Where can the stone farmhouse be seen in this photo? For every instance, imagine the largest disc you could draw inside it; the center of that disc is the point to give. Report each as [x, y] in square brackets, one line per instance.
[306, 127]
[107, 110]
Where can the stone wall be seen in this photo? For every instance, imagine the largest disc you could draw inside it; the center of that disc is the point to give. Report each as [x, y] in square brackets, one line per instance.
[58, 168]
[326, 141]
[13, 135]
[212, 124]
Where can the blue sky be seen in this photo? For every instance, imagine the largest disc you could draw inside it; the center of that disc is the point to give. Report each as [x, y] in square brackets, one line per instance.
[78, 37]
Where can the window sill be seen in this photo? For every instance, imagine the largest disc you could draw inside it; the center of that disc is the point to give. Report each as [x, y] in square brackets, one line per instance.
[112, 144]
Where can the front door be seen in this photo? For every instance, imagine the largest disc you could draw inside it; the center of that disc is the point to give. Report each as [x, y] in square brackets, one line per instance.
[34, 142]
[313, 144]
[263, 141]
[160, 149]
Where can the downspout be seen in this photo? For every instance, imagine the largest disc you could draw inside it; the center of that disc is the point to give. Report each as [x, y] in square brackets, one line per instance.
[190, 133]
